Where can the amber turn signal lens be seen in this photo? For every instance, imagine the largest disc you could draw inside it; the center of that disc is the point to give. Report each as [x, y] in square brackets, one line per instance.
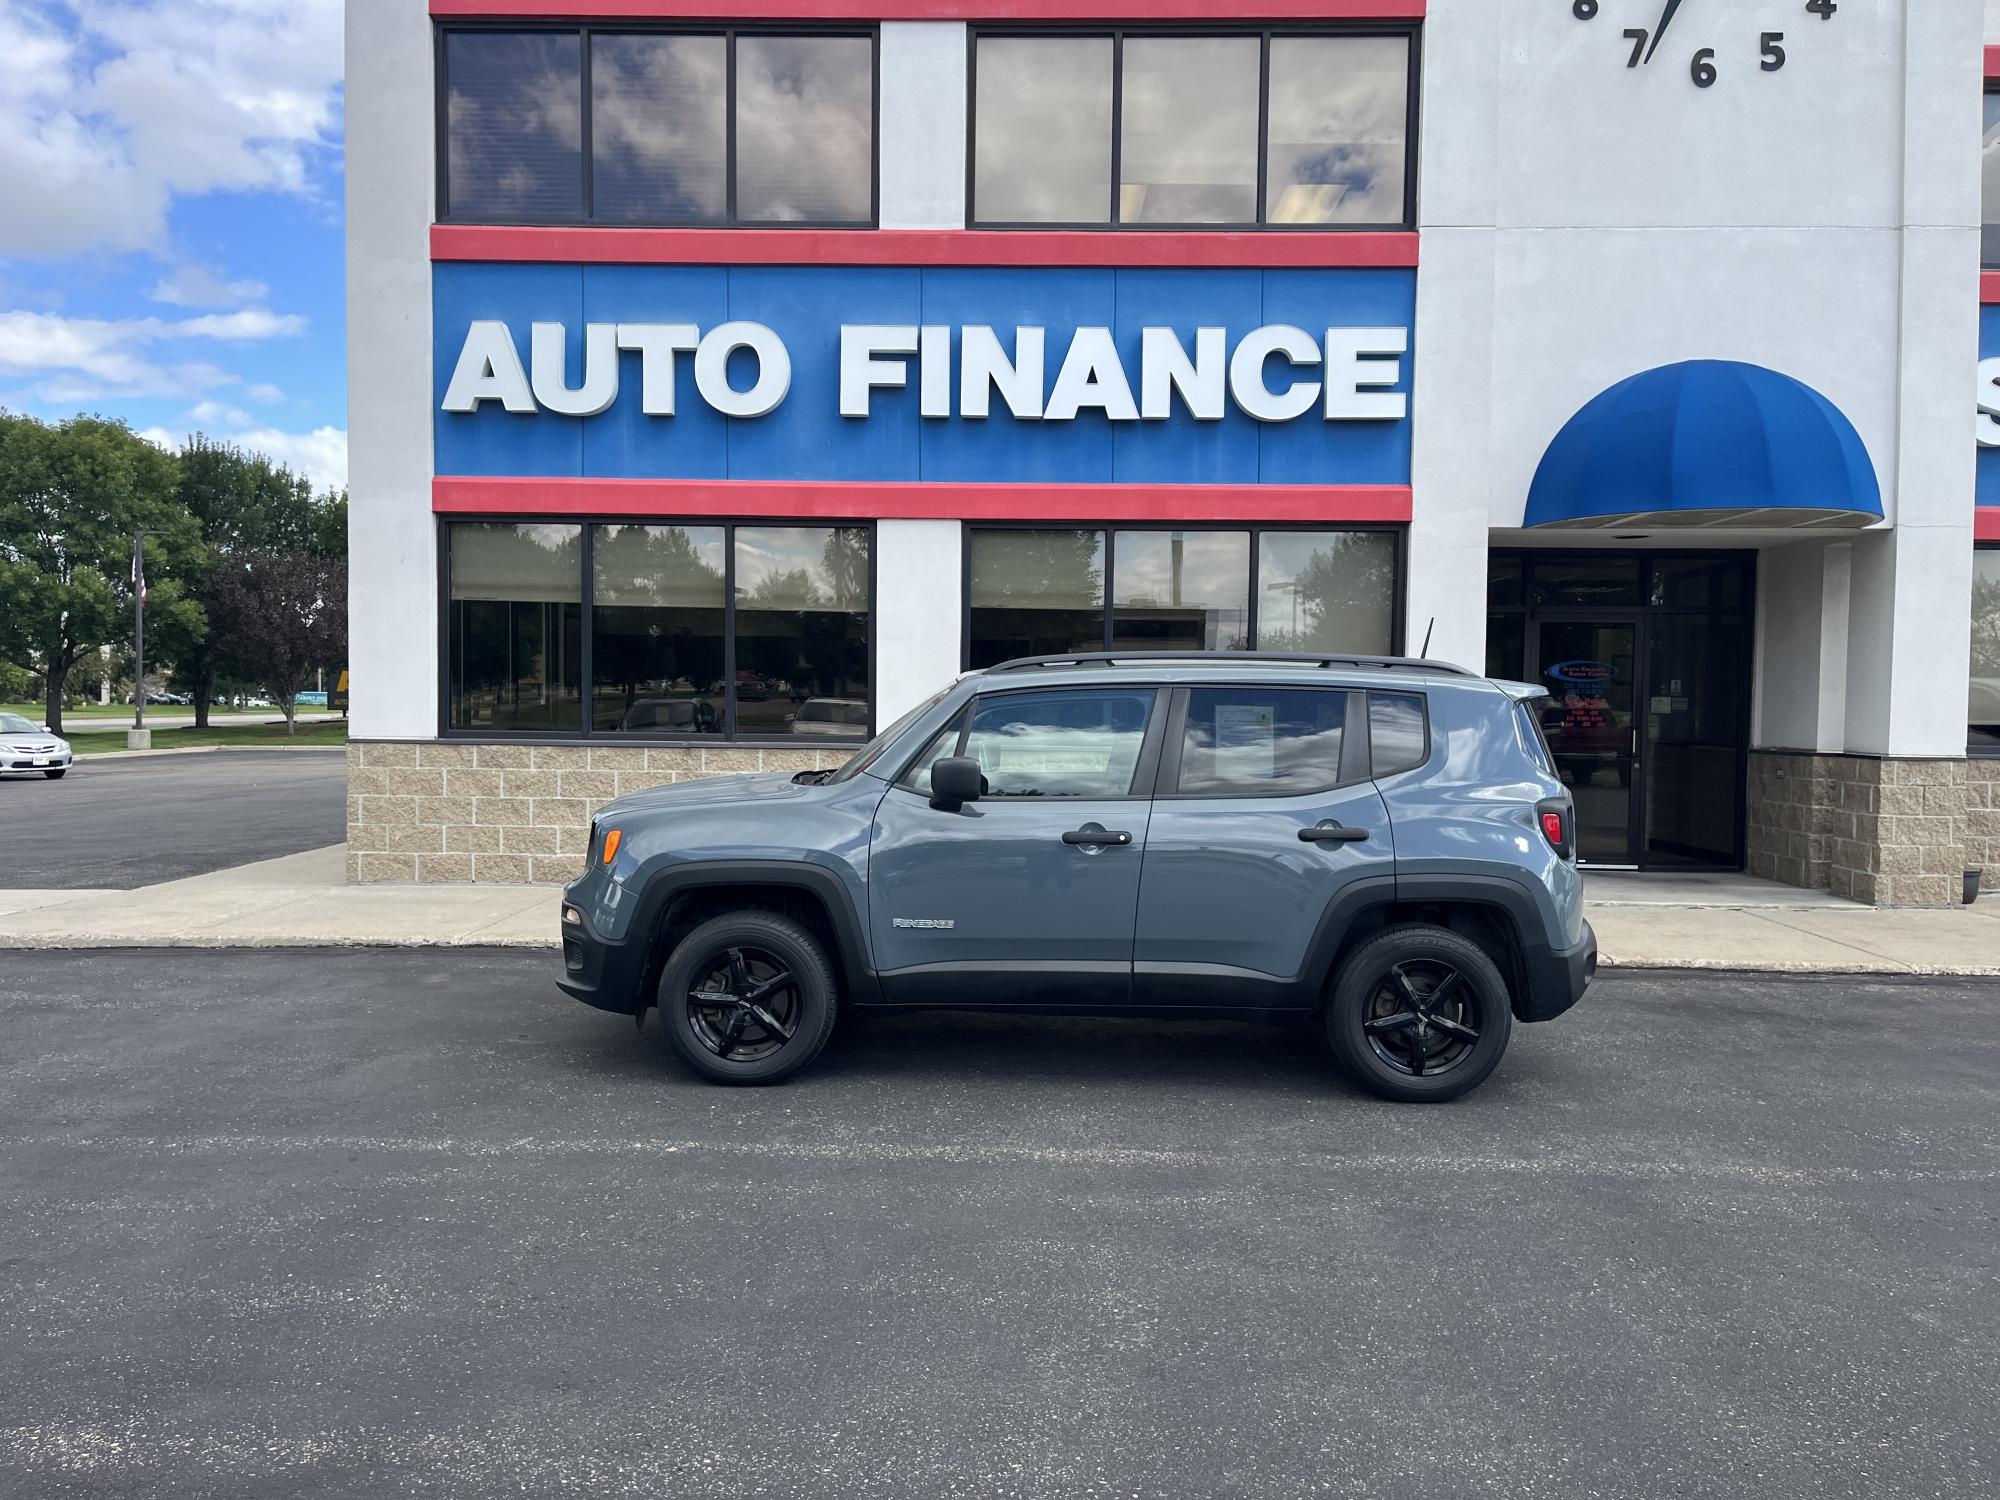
[611, 841]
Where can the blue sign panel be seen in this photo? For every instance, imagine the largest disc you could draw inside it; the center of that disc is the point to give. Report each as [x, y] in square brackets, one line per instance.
[1200, 376]
[1987, 488]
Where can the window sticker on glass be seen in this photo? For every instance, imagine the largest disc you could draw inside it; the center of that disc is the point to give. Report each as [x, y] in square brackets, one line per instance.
[1246, 742]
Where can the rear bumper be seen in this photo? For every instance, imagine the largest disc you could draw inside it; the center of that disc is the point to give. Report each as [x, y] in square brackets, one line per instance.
[600, 971]
[1556, 979]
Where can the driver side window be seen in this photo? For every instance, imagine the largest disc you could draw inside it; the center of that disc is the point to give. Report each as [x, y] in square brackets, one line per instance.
[1071, 743]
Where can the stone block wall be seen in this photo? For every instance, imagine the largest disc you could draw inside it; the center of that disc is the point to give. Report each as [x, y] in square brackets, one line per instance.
[446, 811]
[1885, 831]
[1982, 823]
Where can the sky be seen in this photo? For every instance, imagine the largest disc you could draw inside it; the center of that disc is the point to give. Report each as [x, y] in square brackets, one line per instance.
[170, 221]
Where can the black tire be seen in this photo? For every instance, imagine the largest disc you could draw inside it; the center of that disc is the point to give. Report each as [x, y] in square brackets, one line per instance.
[1392, 1034]
[57, 775]
[728, 1042]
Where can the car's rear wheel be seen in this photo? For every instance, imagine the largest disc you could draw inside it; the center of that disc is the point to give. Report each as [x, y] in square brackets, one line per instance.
[57, 775]
[1418, 1014]
[747, 997]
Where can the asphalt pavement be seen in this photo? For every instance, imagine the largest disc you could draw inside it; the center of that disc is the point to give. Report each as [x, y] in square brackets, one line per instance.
[366, 1223]
[117, 824]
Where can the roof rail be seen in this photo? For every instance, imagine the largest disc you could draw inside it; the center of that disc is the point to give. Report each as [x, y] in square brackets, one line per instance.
[1228, 658]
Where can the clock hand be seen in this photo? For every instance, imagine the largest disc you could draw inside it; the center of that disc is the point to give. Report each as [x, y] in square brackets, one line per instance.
[1666, 20]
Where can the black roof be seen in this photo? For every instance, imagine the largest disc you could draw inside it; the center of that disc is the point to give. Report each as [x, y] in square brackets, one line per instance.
[1228, 659]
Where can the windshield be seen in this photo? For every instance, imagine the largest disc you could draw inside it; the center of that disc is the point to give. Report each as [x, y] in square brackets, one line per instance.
[15, 724]
[865, 756]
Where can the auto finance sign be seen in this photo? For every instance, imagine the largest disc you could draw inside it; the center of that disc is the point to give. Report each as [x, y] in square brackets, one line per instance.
[891, 374]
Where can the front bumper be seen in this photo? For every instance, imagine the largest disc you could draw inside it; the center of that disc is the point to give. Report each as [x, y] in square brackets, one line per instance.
[600, 971]
[1556, 980]
[16, 760]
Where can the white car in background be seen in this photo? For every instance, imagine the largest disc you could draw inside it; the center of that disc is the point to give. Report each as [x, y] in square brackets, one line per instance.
[27, 746]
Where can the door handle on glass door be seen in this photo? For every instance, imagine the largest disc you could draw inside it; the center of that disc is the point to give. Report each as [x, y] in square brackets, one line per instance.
[1332, 833]
[1097, 836]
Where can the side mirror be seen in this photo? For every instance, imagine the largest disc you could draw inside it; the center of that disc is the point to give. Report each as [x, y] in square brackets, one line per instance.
[955, 781]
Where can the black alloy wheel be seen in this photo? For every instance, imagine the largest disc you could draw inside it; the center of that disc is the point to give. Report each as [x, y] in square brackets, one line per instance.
[747, 997]
[1419, 1014]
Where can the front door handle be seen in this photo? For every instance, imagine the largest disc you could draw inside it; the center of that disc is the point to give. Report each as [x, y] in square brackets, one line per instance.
[1332, 833]
[1096, 836]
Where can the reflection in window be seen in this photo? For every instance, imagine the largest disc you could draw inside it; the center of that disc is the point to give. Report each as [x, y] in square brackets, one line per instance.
[1262, 741]
[805, 128]
[1066, 744]
[1326, 591]
[1035, 593]
[1181, 591]
[1339, 130]
[656, 623]
[514, 118]
[1042, 130]
[802, 631]
[659, 127]
[1989, 184]
[1189, 133]
[1985, 709]
[1398, 739]
[516, 626]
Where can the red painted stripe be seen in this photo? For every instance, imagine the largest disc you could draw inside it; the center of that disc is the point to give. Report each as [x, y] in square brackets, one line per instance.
[1993, 62]
[922, 247]
[935, 10]
[1986, 523]
[813, 499]
[1989, 286]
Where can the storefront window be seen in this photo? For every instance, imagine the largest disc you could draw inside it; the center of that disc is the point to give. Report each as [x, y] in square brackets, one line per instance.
[1989, 182]
[1181, 591]
[516, 626]
[665, 653]
[1042, 592]
[802, 631]
[1326, 591]
[1184, 132]
[1984, 737]
[656, 629]
[657, 130]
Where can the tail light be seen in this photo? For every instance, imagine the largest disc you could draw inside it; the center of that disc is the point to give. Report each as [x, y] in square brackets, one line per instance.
[1556, 818]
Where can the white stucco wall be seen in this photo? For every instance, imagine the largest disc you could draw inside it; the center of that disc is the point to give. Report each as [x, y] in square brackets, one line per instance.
[391, 538]
[922, 125]
[918, 610]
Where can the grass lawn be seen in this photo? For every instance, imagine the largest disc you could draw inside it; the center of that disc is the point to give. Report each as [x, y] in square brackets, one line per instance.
[80, 711]
[263, 733]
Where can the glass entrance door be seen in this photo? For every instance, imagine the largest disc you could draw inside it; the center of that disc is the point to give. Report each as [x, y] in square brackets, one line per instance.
[1589, 665]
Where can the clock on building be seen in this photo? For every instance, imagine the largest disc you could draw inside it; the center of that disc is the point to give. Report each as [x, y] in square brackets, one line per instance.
[1728, 31]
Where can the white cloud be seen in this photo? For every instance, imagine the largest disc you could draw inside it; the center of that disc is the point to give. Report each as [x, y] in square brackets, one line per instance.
[320, 455]
[81, 359]
[219, 414]
[102, 126]
[159, 437]
[198, 286]
[265, 395]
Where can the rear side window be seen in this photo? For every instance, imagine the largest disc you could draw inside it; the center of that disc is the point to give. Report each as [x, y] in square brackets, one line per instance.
[1399, 735]
[1532, 739]
[1253, 741]
[1074, 743]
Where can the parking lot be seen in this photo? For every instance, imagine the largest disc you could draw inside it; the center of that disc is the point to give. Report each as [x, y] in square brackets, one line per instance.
[116, 824]
[341, 1223]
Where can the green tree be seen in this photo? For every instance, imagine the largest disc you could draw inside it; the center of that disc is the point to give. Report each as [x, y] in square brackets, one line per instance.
[276, 617]
[71, 496]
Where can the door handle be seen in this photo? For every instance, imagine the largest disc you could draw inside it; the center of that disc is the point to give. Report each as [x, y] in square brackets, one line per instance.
[1332, 833]
[1096, 836]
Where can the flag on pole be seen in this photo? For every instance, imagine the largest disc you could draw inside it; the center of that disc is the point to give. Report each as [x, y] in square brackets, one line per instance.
[139, 573]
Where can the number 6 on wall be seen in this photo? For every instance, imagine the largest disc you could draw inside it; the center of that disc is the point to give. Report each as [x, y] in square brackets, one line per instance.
[1702, 69]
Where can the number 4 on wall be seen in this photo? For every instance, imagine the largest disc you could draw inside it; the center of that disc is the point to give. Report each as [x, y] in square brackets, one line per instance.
[1824, 9]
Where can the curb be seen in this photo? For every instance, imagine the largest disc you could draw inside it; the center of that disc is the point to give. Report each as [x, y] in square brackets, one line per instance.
[98, 755]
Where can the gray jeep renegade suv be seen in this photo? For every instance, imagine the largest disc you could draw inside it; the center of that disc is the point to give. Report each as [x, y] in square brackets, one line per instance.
[1376, 843]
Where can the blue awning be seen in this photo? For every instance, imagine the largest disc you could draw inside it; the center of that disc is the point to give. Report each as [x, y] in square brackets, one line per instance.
[1708, 442]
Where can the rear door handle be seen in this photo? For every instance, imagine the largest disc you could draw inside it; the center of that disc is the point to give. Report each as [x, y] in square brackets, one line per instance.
[1332, 833]
[1096, 836]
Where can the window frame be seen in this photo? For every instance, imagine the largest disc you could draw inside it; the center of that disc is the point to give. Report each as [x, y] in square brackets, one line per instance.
[585, 31]
[1264, 34]
[1354, 748]
[1990, 92]
[1972, 751]
[1110, 529]
[587, 557]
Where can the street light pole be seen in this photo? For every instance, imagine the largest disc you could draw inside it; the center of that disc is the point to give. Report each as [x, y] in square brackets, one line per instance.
[139, 738]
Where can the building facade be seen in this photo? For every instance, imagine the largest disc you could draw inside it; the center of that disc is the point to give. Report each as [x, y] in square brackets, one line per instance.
[726, 376]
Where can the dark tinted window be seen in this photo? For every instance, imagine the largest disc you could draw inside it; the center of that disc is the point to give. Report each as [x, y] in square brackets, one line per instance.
[1065, 744]
[1398, 737]
[656, 629]
[1503, 582]
[1985, 700]
[802, 630]
[514, 120]
[1261, 741]
[1606, 580]
[516, 626]
[1035, 593]
[1699, 582]
[659, 126]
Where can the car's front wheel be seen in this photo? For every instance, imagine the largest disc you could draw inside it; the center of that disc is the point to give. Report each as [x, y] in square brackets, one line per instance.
[747, 997]
[1418, 1014]
[57, 775]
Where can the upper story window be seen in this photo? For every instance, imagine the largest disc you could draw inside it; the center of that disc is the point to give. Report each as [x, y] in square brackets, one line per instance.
[604, 125]
[1147, 129]
[1989, 182]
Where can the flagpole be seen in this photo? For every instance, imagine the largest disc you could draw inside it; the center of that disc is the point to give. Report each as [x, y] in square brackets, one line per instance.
[139, 739]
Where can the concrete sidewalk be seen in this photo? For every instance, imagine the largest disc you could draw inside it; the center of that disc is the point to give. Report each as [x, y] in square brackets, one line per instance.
[1642, 921]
